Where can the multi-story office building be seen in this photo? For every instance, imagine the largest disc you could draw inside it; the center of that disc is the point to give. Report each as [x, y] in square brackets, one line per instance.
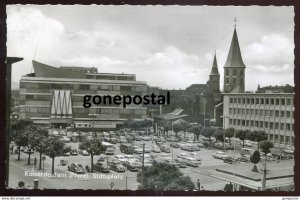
[269, 112]
[55, 96]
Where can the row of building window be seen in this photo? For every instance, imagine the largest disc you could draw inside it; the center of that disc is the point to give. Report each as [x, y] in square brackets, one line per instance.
[110, 110]
[234, 81]
[263, 101]
[262, 113]
[60, 86]
[280, 139]
[262, 124]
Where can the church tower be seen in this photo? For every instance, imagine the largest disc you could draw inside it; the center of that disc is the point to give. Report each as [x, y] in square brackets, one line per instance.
[234, 68]
[214, 76]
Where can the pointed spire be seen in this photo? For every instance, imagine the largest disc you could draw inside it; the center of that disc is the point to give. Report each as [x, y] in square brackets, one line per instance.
[214, 69]
[234, 58]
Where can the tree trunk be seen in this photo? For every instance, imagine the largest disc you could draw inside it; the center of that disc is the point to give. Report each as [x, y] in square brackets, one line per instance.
[53, 165]
[40, 163]
[92, 161]
[19, 152]
[29, 157]
[209, 141]
[243, 143]
[229, 141]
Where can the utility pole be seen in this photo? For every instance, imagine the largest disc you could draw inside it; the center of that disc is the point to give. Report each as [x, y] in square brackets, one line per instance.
[234, 161]
[126, 182]
[142, 174]
[264, 179]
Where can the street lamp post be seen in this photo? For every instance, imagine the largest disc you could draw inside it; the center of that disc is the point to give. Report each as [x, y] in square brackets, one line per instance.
[224, 131]
[94, 115]
[142, 174]
[234, 162]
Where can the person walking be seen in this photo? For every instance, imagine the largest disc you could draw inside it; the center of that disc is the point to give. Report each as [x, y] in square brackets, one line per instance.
[35, 161]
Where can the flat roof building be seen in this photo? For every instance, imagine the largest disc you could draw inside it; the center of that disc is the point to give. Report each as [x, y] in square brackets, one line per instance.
[55, 96]
[269, 112]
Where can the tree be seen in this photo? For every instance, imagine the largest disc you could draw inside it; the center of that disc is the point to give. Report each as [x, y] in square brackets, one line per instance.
[39, 142]
[165, 177]
[258, 136]
[196, 129]
[219, 135]
[242, 135]
[229, 133]
[266, 146]
[94, 147]
[20, 139]
[55, 148]
[17, 133]
[177, 128]
[209, 132]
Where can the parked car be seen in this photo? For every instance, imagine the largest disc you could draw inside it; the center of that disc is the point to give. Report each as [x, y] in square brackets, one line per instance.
[101, 167]
[120, 158]
[182, 155]
[155, 149]
[117, 166]
[230, 160]
[172, 138]
[138, 138]
[102, 158]
[27, 151]
[165, 149]
[83, 152]
[244, 159]
[146, 138]
[74, 152]
[174, 145]
[195, 155]
[200, 145]
[181, 162]
[288, 151]
[67, 153]
[247, 143]
[110, 151]
[192, 162]
[138, 150]
[133, 165]
[220, 155]
[76, 168]
[114, 140]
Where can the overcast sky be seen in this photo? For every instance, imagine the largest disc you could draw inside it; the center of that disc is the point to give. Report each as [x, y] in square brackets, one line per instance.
[167, 46]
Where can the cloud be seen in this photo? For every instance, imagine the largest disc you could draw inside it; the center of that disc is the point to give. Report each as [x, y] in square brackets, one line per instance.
[272, 54]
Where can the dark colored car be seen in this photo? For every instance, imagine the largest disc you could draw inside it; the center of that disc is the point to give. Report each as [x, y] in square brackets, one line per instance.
[101, 167]
[63, 162]
[76, 168]
[175, 145]
[230, 160]
[117, 166]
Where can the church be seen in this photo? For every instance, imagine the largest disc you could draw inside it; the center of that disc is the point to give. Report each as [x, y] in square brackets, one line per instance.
[202, 103]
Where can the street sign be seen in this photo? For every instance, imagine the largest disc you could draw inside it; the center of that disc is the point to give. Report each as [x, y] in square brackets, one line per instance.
[44, 158]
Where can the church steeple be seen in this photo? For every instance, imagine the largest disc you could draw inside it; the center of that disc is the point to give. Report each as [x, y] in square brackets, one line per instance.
[234, 58]
[234, 68]
[214, 76]
[214, 69]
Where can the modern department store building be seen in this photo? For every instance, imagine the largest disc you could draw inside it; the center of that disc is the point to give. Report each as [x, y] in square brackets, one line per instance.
[54, 96]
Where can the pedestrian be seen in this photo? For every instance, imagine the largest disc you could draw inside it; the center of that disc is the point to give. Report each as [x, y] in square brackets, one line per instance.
[198, 184]
[202, 188]
[12, 149]
[35, 161]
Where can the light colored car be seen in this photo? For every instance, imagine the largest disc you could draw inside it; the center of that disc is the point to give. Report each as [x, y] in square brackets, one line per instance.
[220, 155]
[138, 150]
[147, 149]
[110, 151]
[247, 143]
[192, 162]
[195, 155]
[120, 158]
[155, 149]
[182, 155]
[84, 152]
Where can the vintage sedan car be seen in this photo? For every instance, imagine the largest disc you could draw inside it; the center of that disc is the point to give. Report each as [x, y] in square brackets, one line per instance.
[120, 158]
[74, 152]
[133, 165]
[174, 145]
[192, 162]
[230, 160]
[138, 150]
[220, 155]
[76, 168]
[165, 149]
[155, 149]
[247, 143]
[83, 152]
[110, 151]
[117, 166]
